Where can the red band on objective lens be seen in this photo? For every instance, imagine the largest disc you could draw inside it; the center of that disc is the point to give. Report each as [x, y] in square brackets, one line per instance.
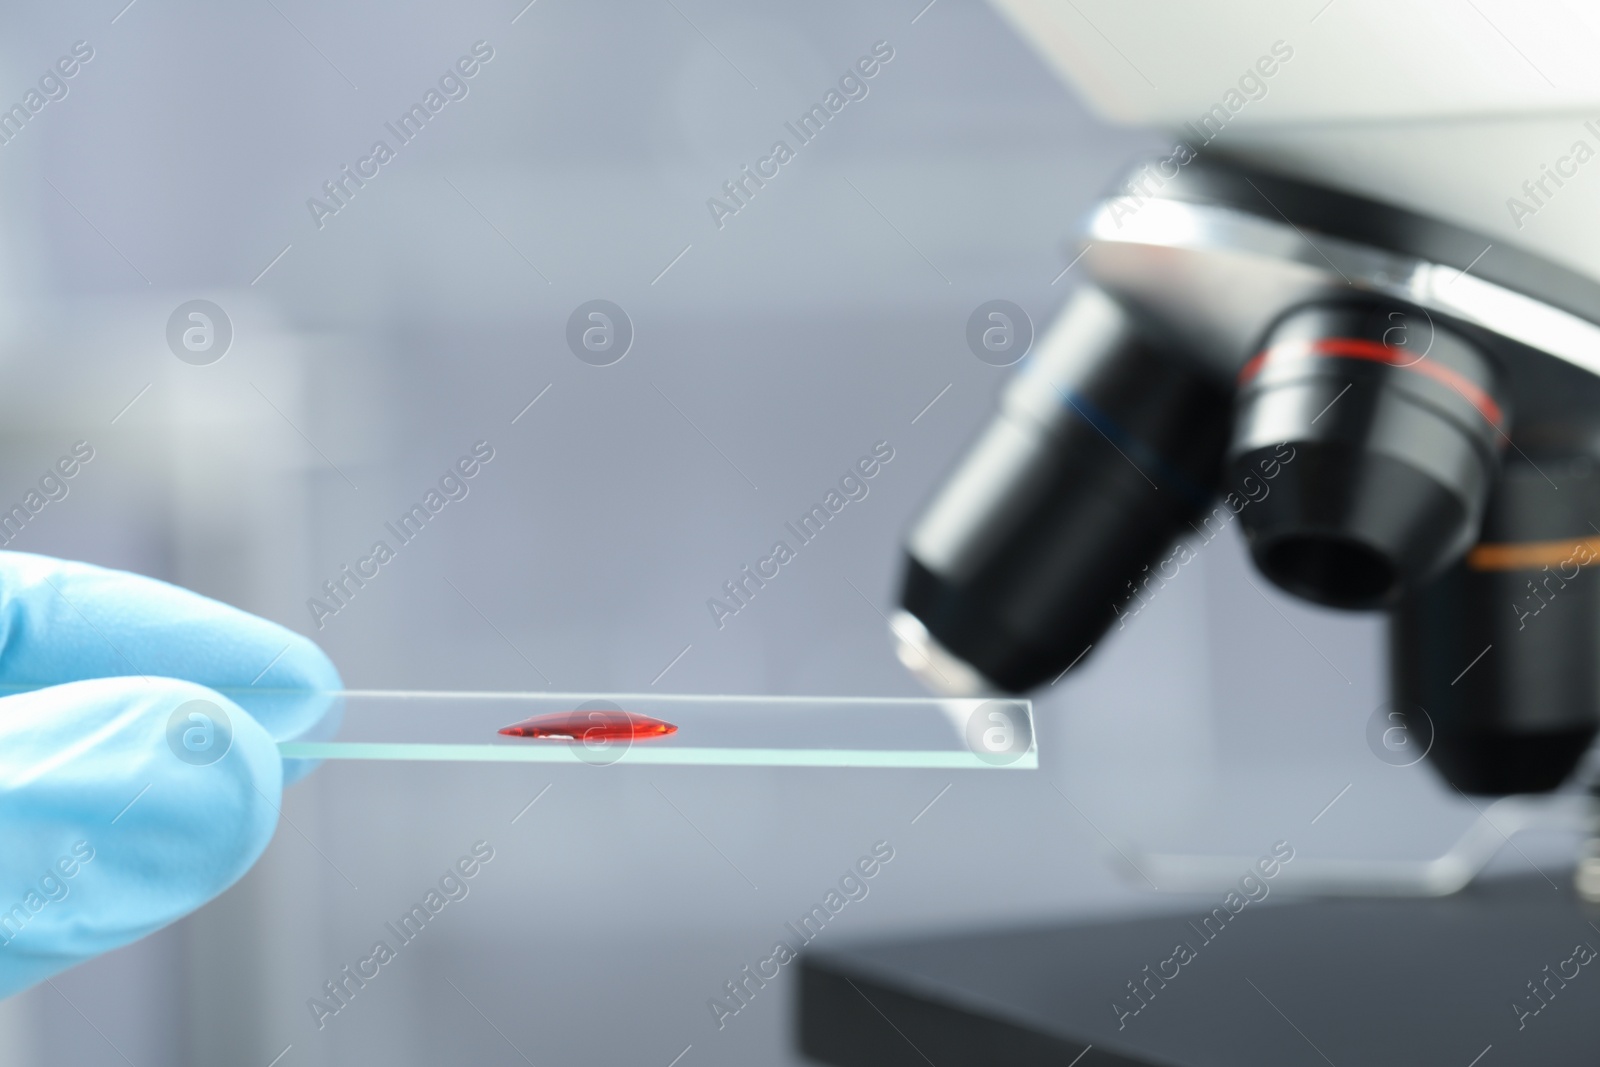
[1376, 352]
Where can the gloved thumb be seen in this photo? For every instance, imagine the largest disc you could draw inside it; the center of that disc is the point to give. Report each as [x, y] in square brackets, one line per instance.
[125, 803]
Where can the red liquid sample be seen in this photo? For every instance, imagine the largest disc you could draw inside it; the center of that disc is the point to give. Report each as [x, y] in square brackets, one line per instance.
[591, 726]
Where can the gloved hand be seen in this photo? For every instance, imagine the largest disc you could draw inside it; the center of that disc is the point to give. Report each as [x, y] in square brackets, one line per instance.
[130, 793]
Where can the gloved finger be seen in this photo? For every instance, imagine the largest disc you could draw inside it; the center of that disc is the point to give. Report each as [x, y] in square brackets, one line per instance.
[125, 803]
[62, 621]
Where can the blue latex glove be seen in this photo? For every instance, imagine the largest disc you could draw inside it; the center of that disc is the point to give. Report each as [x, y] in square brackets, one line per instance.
[116, 817]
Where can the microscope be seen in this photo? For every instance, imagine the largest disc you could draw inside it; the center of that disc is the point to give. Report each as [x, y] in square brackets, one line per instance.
[1325, 316]
[1352, 311]
[1391, 431]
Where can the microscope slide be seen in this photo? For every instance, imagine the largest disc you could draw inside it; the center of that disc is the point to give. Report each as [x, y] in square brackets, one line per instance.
[659, 729]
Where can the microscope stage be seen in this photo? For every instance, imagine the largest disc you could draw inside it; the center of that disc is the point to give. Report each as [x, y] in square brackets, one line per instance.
[1497, 974]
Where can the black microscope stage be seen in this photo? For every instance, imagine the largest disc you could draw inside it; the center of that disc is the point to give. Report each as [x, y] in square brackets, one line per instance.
[1502, 973]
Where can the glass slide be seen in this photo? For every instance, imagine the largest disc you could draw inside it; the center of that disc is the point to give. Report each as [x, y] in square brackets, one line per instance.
[660, 729]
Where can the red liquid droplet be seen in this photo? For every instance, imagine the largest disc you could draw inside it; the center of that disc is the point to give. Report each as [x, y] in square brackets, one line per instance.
[591, 726]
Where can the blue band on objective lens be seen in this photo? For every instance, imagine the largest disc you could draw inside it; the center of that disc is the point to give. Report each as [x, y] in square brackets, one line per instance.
[1140, 454]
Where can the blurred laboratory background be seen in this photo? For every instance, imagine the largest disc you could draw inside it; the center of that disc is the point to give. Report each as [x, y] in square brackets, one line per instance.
[425, 310]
